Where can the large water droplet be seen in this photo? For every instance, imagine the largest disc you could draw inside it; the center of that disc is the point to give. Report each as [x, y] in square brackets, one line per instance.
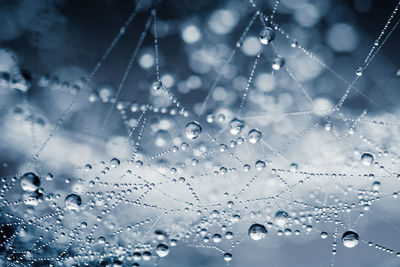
[193, 130]
[350, 239]
[236, 126]
[254, 136]
[73, 202]
[281, 218]
[162, 250]
[114, 162]
[257, 231]
[30, 182]
[227, 256]
[260, 165]
[367, 159]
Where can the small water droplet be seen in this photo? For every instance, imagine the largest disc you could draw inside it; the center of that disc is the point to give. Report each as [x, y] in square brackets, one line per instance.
[266, 35]
[278, 63]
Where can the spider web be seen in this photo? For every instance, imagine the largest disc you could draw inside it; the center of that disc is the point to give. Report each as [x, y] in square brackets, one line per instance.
[158, 169]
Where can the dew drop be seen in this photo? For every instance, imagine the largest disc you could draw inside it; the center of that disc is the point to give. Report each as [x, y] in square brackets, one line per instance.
[324, 235]
[328, 126]
[162, 250]
[146, 256]
[228, 235]
[359, 71]
[73, 202]
[260, 165]
[236, 126]
[350, 239]
[30, 182]
[193, 130]
[278, 63]
[157, 85]
[376, 185]
[367, 159]
[227, 256]
[257, 231]
[266, 35]
[254, 136]
[114, 163]
[281, 218]
[217, 238]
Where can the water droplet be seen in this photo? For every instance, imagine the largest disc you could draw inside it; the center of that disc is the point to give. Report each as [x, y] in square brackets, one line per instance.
[227, 256]
[359, 71]
[30, 182]
[257, 231]
[367, 159]
[162, 250]
[173, 242]
[350, 239]
[88, 167]
[266, 35]
[157, 85]
[217, 238]
[277, 63]
[254, 136]
[294, 167]
[324, 235]
[236, 126]
[328, 126]
[281, 218]
[228, 235]
[73, 202]
[193, 130]
[146, 255]
[94, 96]
[101, 240]
[376, 185]
[210, 118]
[260, 165]
[115, 162]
